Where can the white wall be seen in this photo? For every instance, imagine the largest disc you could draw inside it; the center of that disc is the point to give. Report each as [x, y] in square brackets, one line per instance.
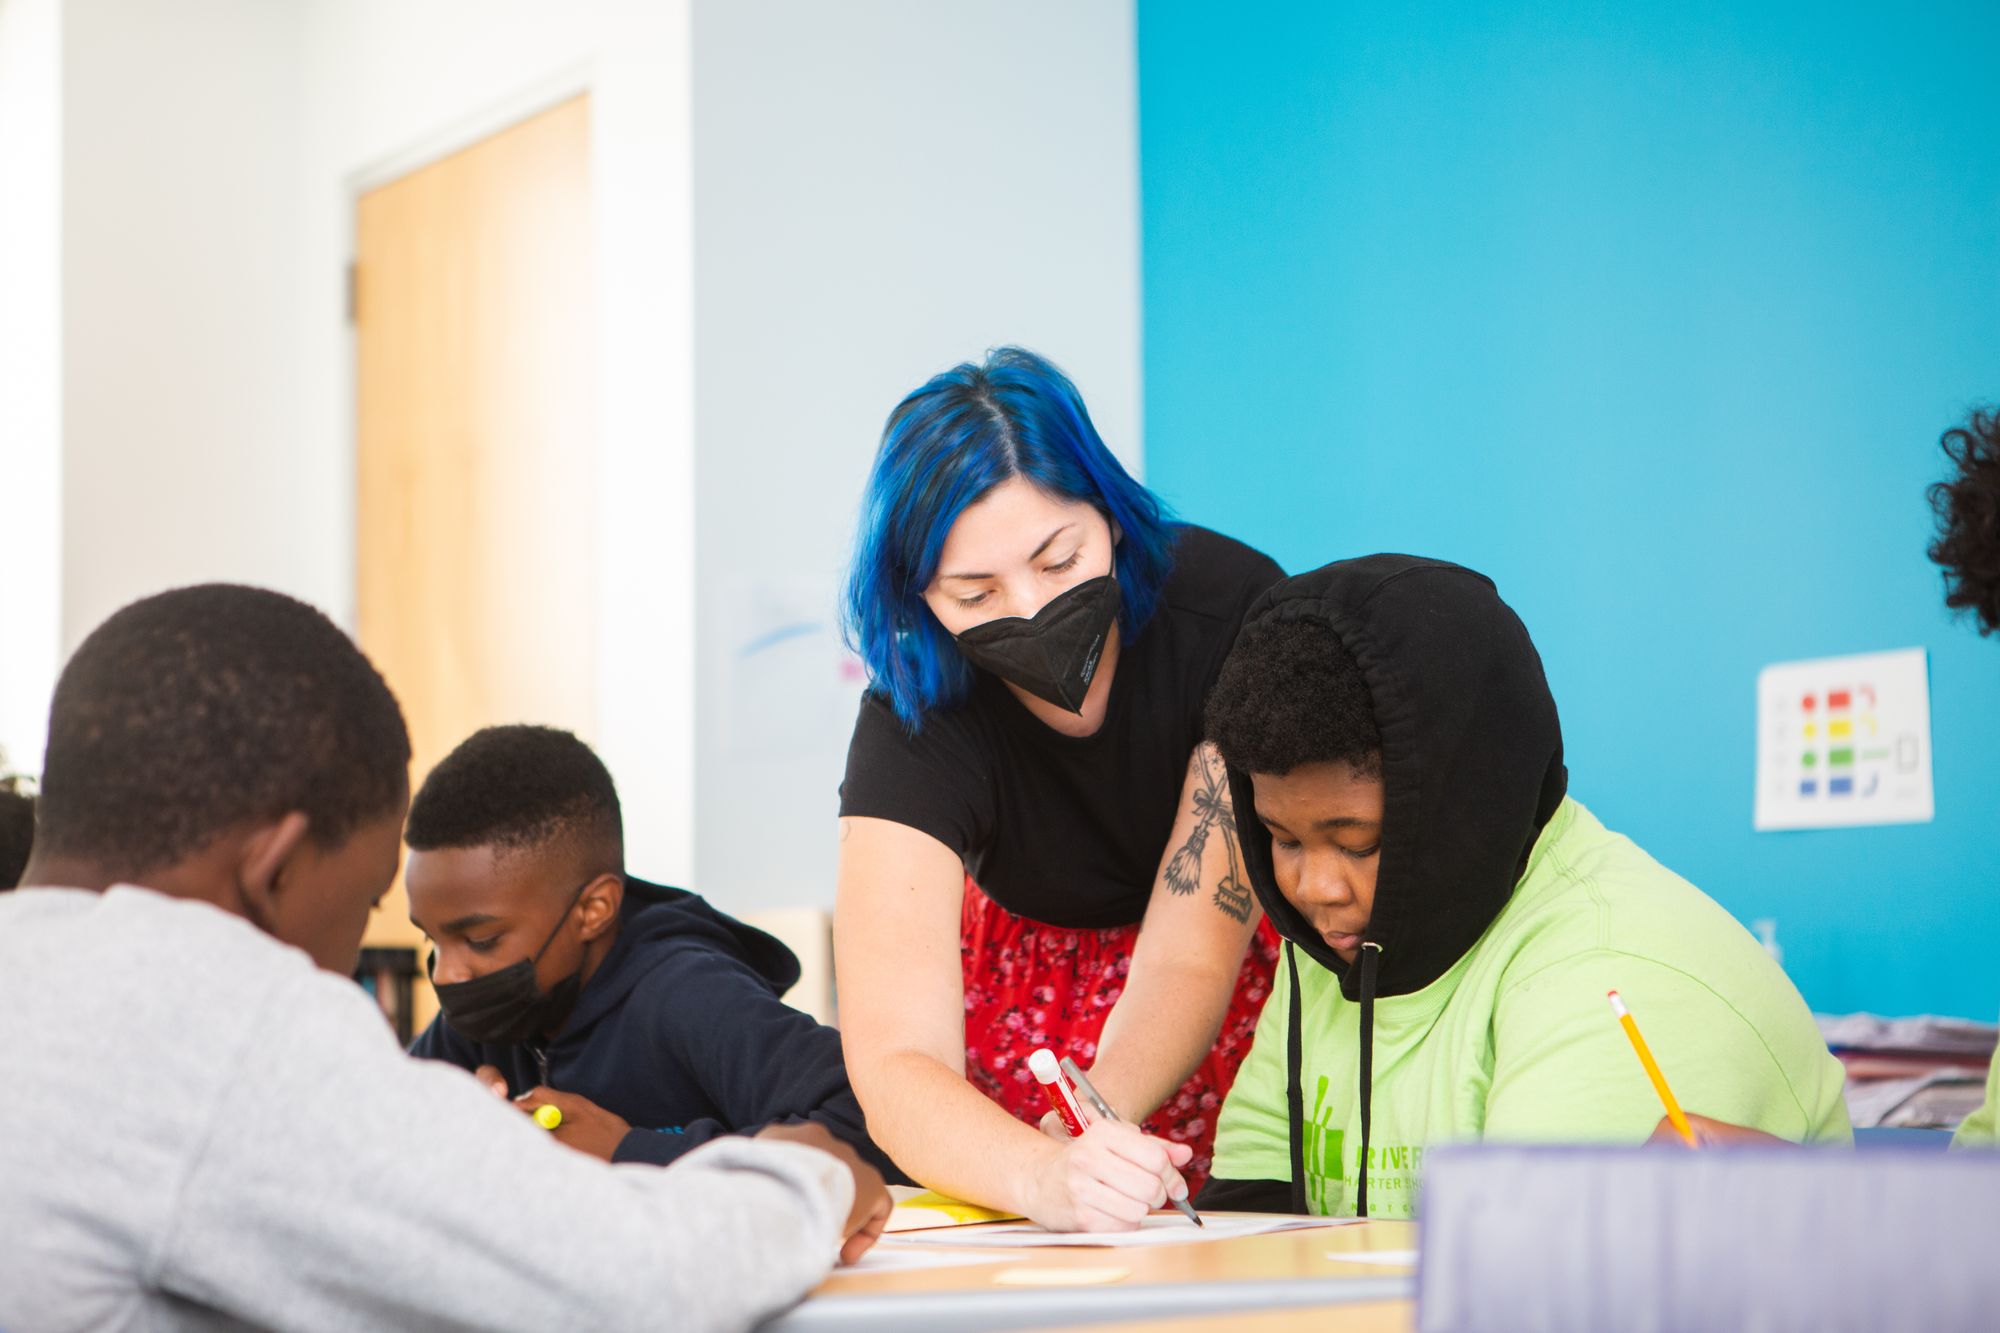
[882, 188]
[382, 81]
[189, 244]
[30, 373]
[852, 197]
[180, 462]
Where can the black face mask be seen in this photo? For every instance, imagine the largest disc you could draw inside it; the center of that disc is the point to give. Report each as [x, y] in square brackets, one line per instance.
[506, 1007]
[1055, 655]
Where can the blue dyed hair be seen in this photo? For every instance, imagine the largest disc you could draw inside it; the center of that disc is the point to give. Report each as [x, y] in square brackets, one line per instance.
[945, 446]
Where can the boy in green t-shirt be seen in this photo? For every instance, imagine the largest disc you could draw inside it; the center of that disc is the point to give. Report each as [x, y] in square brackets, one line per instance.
[1453, 919]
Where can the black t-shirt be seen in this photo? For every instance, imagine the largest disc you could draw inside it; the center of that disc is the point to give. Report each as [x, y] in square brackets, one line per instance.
[1062, 829]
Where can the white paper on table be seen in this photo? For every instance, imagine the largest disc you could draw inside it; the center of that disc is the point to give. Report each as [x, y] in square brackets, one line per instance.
[1844, 741]
[1159, 1229]
[1374, 1256]
[883, 1257]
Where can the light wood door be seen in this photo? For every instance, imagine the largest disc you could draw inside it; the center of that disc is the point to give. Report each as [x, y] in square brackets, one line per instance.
[476, 442]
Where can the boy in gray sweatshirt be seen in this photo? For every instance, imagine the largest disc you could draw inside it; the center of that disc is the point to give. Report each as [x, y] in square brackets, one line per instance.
[210, 1126]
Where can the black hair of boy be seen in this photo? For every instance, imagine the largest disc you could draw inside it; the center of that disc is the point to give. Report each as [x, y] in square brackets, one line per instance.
[17, 831]
[208, 708]
[1291, 694]
[520, 788]
[1967, 507]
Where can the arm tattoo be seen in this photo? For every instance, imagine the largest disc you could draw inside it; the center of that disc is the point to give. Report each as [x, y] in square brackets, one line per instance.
[1211, 809]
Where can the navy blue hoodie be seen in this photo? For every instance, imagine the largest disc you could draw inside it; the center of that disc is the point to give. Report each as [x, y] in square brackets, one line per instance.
[680, 1032]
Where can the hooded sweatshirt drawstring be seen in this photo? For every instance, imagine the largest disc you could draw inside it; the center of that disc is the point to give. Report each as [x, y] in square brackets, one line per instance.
[1371, 956]
[1295, 1093]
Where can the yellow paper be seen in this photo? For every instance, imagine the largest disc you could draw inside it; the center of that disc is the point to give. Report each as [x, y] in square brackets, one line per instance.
[921, 1210]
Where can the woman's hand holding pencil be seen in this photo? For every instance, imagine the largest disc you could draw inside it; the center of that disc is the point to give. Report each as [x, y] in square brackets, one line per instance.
[1108, 1175]
[1107, 1180]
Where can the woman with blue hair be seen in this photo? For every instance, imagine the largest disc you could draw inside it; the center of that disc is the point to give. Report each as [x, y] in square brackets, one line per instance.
[1027, 782]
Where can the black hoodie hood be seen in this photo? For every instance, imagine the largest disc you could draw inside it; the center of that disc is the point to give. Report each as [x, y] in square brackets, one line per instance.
[1472, 759]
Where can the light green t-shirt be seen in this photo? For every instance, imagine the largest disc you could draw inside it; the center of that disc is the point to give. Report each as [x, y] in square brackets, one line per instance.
[1981, 1129]
[1518, 1042]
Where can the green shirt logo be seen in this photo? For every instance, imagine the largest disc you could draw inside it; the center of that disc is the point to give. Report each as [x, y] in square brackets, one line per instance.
[1326, 1163]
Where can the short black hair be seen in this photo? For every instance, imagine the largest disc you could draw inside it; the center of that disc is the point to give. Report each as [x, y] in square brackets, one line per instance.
[1967, 508]
[195, 711]
[17, 830]
[1289, 694]
[519, 788]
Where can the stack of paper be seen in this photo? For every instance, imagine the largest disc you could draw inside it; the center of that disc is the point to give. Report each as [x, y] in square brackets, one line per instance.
[1924, 1033]
[1921, 1071]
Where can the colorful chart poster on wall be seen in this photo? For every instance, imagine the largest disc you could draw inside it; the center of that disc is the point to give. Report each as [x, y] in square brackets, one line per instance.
[1844, 741]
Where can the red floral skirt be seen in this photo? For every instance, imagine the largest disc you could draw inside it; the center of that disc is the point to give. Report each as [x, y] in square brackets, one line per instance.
[1028, 984]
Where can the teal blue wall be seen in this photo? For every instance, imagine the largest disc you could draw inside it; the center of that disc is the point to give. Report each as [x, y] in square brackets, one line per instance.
[1656, 319]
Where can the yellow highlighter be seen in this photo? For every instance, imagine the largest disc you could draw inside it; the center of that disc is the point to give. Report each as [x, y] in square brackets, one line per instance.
[548, 1117]
[1674, 1112]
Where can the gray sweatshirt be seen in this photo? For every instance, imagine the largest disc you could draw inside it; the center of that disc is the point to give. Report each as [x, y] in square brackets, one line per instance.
[201, 1129]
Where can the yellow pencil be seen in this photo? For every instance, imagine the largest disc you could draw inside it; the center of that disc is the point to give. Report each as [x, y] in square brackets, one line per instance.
[1674, 1112]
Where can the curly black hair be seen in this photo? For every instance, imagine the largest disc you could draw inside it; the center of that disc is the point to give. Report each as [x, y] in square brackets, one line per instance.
[519, 788]
[1289, 694]
[17, 831]
[202, 709]
[1967, 507]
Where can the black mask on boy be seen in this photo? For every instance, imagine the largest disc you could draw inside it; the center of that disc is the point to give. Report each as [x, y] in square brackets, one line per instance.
[505, 1007]
[1055, 655]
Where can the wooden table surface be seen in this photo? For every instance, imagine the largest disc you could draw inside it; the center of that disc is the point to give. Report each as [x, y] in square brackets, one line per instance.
[1282, 1254]
[1282, 1280]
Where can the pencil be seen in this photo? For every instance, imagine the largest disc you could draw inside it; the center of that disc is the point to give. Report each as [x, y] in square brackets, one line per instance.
[1674, 1112]
[1104, 1112]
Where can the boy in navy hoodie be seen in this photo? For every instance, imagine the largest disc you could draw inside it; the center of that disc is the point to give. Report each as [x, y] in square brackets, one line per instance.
[649, 1020]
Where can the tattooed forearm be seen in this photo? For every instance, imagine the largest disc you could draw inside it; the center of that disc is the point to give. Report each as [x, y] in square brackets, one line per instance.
[1232, 896]
[1184, 867]
[1211, 811]
[1232, 899]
